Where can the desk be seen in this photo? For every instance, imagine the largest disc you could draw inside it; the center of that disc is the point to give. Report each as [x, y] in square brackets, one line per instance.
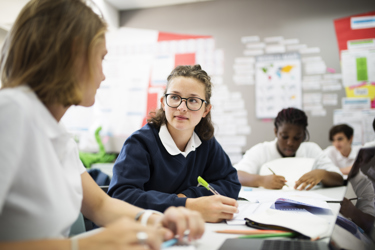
[212, 240]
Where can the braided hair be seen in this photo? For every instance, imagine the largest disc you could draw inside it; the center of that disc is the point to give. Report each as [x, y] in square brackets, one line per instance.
[292, 116]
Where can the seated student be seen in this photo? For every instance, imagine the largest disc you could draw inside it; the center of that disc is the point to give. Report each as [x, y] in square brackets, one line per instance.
[159, 164]
[291, 132]
[342, 153]
[52, 59]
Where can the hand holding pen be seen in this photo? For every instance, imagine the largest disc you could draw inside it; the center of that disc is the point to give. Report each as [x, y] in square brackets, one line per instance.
[273, 181]
[214, 208]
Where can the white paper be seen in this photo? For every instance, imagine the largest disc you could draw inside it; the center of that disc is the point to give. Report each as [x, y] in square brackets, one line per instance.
[358, 67]
[330, 99]
[250, 39]
[296, 47]
[353, 118]
[273, 39]
[255, 45]
[353, 103]
[318, 67]
[253, 52]
[289, 41]
[309, 50]
[362, 22]
[270, 49]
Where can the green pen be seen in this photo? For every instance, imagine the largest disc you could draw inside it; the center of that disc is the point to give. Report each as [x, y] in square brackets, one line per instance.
[206, 185]
[287, 234]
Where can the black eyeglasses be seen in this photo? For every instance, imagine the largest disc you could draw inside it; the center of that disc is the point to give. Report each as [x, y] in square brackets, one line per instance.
[192, 103]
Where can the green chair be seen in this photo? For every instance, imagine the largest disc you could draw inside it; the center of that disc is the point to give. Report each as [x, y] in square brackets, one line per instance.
[78, 226]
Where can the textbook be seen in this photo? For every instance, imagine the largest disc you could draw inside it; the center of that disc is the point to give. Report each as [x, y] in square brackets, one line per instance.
[314, 206]
[305, 224]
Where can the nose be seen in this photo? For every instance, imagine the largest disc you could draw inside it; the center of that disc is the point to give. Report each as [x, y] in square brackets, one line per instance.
[182, 106]
[103, 76]
[290, 142]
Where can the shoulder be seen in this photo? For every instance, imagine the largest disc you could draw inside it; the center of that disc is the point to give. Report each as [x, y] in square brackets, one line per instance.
[147, 134]
[17, 102]
[309, 149]
[329, 149]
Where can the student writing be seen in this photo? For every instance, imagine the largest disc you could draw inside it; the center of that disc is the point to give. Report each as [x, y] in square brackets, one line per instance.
[159, 164]
[291, 132]
[52, 59]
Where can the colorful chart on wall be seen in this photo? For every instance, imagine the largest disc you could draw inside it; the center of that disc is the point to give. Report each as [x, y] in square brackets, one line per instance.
[356, 41]
[278, 83]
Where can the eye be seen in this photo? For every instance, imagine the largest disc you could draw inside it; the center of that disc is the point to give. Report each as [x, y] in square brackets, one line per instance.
[193, 100]
[285, 137]
[175, 97]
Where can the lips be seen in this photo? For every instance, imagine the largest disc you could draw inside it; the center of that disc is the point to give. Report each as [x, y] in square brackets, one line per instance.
[180, 117]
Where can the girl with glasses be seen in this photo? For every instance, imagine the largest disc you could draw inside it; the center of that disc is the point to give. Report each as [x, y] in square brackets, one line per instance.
[159, 164]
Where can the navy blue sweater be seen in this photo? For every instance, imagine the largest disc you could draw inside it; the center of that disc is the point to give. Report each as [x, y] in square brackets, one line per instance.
[147, 176]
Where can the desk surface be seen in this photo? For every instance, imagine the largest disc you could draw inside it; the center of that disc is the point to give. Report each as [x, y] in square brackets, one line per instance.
[212, 240]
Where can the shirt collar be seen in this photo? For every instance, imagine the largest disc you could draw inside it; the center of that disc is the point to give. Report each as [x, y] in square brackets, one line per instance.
[170, 145]
[45, 120]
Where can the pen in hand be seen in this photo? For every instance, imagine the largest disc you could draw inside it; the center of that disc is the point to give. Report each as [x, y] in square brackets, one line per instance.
[206, 185]
[275, 174]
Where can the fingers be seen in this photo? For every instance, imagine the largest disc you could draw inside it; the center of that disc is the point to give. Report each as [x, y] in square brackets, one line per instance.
[196, 225]
[180, 219]
[228, 201]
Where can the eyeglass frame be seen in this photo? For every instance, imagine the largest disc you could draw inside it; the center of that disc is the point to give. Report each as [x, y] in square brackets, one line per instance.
[186, 101]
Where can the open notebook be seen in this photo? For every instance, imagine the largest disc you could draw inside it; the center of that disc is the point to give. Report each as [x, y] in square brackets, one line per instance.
[292, 168]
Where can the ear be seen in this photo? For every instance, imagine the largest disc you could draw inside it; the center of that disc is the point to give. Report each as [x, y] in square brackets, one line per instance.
[351, 139]
[275, 130]
[162, 102]
[207, 110]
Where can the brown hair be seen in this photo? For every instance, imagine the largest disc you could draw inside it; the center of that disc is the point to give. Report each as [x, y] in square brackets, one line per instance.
[205, 128]
[43, 47]
[341, 128]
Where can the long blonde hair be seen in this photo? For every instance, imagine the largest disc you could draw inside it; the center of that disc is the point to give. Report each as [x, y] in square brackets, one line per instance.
[44, 44]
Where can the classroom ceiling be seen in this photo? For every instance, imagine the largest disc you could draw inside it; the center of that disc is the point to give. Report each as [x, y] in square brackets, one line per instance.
[140, 4]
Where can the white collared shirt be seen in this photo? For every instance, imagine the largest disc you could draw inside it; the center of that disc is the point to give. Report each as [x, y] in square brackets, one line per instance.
[40, 170]
[264, 152]
[338, 159]
[170, 145]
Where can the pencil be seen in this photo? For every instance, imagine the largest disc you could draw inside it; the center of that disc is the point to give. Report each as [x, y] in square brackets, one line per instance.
[288, 234]
[249, 232]
[275, 174]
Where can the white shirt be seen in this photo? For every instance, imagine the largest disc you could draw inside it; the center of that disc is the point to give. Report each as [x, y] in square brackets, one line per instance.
[338, 159]
[170, 145]
[264, 152]
[369, 144]
[40, 180]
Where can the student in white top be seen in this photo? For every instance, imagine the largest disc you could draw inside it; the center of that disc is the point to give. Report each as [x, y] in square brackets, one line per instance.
[291, 132]
[52, 59]
[341, 152]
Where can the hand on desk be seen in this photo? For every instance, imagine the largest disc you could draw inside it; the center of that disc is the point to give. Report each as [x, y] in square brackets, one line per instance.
[273, 181]
[177, 220]
[122, 234]
[310, 179]
[214, 208]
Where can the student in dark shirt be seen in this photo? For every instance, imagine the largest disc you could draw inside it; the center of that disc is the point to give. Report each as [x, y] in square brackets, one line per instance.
[159, 164]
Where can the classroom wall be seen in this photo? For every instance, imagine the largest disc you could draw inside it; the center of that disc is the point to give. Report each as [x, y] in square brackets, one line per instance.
[228, 20]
